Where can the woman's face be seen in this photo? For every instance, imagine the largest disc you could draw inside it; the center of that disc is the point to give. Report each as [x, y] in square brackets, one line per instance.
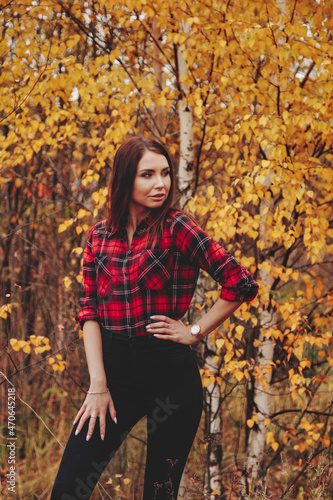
[151, 184]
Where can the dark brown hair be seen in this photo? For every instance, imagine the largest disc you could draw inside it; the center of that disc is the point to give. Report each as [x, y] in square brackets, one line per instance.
[122, 180]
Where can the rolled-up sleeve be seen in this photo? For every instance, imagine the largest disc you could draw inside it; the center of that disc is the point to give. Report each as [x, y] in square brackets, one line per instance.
[88, 300]
[202, 251]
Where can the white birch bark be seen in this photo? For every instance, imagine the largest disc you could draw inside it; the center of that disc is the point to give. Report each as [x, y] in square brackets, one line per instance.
[214, 425]
[261, 399]
[186, 161]
[185, 180]
[213, 392]
[158, 71]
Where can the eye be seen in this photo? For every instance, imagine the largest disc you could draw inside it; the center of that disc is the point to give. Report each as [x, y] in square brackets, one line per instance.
[146, 175]
[166, 173]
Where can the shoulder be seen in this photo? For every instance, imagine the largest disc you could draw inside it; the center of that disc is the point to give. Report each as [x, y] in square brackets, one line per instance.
[179, 216]
[97, 229]
[181, 221]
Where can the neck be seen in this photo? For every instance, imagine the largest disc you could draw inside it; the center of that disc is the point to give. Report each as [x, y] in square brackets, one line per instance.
[134, 218]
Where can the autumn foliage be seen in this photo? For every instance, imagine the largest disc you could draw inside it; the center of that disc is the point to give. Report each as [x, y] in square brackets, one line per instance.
[76, 78]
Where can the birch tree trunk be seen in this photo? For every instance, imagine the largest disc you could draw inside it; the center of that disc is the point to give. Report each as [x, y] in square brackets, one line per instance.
[185, 181]
[158, 71]
[213, 431]
[251, 479]
[212, 394]
[186, 161]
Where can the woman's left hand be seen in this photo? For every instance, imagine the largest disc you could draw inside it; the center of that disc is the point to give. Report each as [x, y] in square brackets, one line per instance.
[170, 329]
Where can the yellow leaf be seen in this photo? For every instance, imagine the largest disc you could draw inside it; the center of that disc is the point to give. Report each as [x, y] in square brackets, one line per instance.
[239, 375]
[218, 144]
[275, 445]
[267, 421]
[210, 191]
[303, 447]
[250, 423]
[219, 343]
[83, 213]
[228, 357]
[239, 331]
[77, 250]
[72, 41]
[67, 281]
[18, 344]
[5, 310]
[39, 350]
[270, 437]
[27, 348]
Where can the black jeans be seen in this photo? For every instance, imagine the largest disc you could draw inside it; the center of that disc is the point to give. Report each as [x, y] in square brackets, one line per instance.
[146, 376]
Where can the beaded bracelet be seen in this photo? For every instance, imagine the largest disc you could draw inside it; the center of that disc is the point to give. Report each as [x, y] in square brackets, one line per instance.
[104, 392]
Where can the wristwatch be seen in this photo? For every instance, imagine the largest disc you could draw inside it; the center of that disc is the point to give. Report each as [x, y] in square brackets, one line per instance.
[195, 329]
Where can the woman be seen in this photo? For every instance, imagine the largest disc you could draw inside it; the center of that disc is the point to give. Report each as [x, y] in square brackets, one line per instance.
[140, 270]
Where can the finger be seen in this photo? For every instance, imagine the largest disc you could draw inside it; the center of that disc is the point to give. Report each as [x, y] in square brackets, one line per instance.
[102, 426]
[112, 411]
[165, 337]
[91, 427]
[154, 326]
[164, 330]
[160, 317]
[79, 413]
[81, 422]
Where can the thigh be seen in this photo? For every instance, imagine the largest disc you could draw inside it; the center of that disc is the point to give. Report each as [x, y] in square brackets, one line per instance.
[83, 462]
[172, 423]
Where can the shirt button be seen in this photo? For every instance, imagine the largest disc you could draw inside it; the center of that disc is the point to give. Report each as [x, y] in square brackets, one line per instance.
[129, 252]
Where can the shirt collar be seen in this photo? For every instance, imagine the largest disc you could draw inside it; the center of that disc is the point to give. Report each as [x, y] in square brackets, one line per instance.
[142, 226]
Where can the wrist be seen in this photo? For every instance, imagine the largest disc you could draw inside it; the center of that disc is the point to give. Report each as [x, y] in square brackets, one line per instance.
[196, 332]
[98, 384]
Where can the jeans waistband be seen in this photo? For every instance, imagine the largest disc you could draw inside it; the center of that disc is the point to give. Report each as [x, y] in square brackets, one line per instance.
[123, 336]
[148, 340]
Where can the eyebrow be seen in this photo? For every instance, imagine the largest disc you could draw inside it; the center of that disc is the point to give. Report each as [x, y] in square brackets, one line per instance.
[152, 170]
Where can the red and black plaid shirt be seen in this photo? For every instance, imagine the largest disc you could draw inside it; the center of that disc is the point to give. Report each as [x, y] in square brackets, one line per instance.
[124, 286]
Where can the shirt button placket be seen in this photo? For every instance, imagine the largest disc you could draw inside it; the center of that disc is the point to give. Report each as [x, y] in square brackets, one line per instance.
[127, 291]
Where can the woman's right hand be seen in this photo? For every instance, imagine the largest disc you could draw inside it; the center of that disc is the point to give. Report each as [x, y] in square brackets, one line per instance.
[95, 406]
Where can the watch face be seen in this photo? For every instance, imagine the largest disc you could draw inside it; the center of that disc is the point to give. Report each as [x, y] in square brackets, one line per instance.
[195, 329]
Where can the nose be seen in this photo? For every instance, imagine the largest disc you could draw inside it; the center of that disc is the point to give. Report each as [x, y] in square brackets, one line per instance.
[159, 183]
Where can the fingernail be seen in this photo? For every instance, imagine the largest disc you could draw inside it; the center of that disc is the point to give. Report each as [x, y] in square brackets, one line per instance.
[102, 437]
[152, 317]
[148, 327]
[73, 422]
[76, 432]
[88, 437]
[115, 420]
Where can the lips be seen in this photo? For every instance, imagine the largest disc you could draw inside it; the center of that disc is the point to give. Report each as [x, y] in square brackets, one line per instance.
[158, 196]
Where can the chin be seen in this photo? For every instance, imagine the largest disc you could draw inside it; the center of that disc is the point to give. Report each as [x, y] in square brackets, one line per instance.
[157, 203]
